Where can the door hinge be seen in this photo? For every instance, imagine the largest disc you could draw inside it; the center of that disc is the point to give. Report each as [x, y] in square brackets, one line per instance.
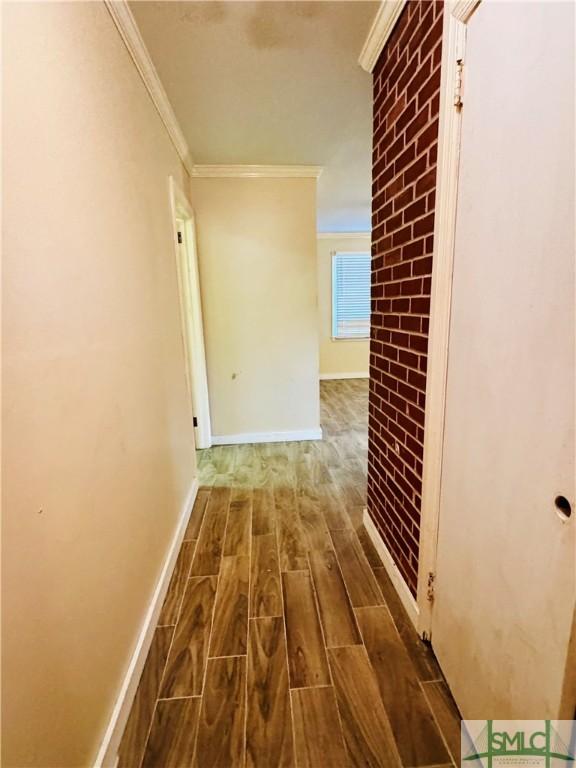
[180, 238]
[458, 84]
[430, 590]
[195, 420]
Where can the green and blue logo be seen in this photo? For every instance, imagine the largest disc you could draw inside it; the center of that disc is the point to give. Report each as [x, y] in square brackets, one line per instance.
[534, 743]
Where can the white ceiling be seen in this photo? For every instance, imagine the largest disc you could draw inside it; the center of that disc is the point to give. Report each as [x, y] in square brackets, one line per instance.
[272, 83]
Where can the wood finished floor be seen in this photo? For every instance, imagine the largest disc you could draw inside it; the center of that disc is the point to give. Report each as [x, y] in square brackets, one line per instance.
[282, 641]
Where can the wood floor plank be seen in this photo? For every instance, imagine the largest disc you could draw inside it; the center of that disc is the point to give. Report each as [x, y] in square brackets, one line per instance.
[220, 742]
[292, 542]
[347, 486]
[224, 458]
[312, 521]
[369, 549]
[317, 730]
[446, 714]
[415, 732]
[336, 614]
[238, 529]
[268, 726]
[208, 553]
[265, 588]
[356, 515]
[358, 577]
[420, 653]
[306, 653]
[173, 734]
[263, 512]
[171, 606]
[334, 510]
[230, 625]
[366, 728]
[197, 514]
[332, 485]
[134, 738]
[244, 466]
[184, 673]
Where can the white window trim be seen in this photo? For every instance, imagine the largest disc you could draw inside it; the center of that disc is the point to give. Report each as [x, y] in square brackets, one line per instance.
[333, 312]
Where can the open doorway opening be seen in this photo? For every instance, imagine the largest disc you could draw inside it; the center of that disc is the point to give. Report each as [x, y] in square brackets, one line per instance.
[191, 313]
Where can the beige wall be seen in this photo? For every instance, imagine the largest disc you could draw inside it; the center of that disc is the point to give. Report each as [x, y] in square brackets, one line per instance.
[337, 357]
[257, 253]
[98, 446]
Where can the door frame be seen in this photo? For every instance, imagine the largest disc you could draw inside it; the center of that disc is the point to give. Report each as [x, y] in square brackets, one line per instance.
[456, 17]
[191, 312]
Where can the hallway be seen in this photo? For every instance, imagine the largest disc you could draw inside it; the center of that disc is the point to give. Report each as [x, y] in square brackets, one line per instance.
[282, 641]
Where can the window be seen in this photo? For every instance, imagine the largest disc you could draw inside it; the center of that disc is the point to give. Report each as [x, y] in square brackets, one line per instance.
[351, 296]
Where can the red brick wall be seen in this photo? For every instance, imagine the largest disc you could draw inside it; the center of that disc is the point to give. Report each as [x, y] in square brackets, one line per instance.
[406, 102]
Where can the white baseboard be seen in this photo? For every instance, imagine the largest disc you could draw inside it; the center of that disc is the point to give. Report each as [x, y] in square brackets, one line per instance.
[267, 437]
[356, 375]
[396, 578]
[107, 753]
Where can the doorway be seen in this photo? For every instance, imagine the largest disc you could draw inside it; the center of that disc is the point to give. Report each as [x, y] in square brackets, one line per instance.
[191, 313]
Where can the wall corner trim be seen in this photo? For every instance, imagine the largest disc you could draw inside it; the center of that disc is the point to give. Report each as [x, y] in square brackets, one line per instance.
[257, 171]
[268, 437]
[400, 585]
[126, 24]
[386, 17]
[108, 749]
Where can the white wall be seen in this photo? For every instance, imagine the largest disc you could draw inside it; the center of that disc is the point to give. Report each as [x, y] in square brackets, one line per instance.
[257, 255]
[98, 453]
[338, 358]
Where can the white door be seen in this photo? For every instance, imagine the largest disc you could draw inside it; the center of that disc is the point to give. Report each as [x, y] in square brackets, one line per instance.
[191, 303]
[505, 579]
[191, 313]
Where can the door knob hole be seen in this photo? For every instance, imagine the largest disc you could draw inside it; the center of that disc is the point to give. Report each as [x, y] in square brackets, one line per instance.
[563, 507]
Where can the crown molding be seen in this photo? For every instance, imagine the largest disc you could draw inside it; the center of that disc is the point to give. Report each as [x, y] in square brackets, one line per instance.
[126, 24]
[382, 26]
[463, 9]
[257, 171]
[342, 235]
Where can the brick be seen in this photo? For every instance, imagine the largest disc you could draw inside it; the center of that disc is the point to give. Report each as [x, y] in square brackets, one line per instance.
[431, 39]
[406, 157]
[415, 170]
[427, 137]
[420, 305]
[405, 118]
[403, 198]
[394, 222]
[402, 236]
[394, 149]
[426, 182]
[415, 210]
[424, 226]
[422, 266]
[415, 126]
[430, 88]
[402, 271]
[413, 250]
[405, 140]
[411, 287]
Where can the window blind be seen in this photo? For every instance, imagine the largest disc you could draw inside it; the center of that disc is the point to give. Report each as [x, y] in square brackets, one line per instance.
[351, 295]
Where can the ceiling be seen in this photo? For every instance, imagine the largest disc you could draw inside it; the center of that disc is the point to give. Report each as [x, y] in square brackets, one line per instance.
[272, 83]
